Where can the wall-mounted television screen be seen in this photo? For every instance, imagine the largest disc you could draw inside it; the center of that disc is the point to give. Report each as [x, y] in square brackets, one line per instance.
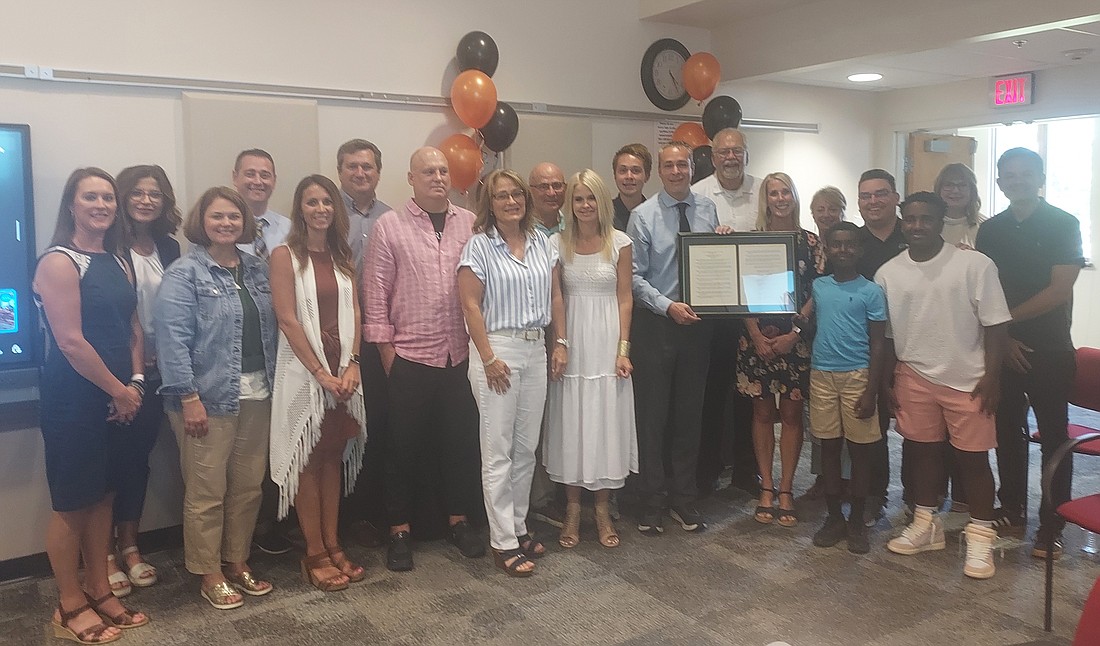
[19, 335]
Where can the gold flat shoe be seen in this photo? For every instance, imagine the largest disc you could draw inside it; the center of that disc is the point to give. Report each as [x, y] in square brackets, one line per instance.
[219, 596]
[248, 584]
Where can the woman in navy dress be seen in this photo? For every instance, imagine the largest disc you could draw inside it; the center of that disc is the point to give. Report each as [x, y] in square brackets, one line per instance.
[95, 345]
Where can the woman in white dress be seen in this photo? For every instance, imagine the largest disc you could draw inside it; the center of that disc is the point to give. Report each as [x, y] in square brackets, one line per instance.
[590, 441]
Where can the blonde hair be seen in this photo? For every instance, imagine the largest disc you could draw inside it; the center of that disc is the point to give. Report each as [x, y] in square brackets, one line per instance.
[604, 211]
[764, 218]
[963, 172]
[832, 196]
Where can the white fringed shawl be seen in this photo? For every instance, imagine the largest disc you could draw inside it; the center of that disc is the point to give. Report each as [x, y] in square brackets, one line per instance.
[299, 402]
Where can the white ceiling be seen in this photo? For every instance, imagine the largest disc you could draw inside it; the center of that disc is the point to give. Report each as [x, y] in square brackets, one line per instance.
[957, 52]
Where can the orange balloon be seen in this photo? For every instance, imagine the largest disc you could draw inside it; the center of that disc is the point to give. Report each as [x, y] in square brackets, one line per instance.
[474, 98]
[464, 159]
[701, 74]
[691, 133]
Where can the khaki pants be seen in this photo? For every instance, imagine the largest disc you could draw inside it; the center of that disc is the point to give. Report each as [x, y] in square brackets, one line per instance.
[222, 473]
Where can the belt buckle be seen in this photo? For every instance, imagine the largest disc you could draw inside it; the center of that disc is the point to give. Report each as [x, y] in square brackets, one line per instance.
[530, 335]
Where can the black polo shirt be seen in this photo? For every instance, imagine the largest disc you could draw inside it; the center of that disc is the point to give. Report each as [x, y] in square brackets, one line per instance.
[622, 214]
[1025, 253]
[876, 252]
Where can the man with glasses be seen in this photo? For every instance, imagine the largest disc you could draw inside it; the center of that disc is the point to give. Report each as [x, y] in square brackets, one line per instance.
[254, 178]
[882, 239]
[1038, 252]
[726, 412]
[548, 189]
[672, 346]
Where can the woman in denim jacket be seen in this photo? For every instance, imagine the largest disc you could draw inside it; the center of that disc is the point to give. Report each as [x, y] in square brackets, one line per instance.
[216, 342]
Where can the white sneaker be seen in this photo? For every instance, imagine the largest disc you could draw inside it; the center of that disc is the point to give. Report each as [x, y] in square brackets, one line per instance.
[979, 551]
[923, 534]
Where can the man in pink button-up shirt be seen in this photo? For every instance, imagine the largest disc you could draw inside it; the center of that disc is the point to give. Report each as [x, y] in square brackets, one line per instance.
[410, 292]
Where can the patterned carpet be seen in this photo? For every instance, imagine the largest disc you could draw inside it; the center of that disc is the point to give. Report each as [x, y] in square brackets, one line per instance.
[737, 583]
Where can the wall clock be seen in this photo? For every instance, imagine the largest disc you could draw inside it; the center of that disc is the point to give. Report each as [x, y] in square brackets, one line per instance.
[662, 74]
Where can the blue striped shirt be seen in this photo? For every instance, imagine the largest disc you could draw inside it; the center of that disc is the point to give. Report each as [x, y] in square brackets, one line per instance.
[517, 292]
[654, 227]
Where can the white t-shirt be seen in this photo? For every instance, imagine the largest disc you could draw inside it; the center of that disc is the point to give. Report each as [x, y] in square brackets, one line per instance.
[938, 309]
[738, 209]
[148, 272]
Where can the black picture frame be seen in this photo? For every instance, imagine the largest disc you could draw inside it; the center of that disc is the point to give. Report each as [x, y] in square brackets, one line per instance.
[788, 301]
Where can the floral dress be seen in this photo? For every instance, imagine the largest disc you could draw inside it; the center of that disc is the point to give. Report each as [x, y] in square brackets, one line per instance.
[788, 375]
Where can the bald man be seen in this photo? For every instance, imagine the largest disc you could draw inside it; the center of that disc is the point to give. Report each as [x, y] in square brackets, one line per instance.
[548, 188]
[421, 336]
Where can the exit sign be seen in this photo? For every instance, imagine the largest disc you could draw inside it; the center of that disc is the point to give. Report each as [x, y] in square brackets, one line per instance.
[1012, 90]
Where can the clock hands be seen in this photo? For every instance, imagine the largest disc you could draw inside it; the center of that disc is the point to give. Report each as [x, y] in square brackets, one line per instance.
[675, 82]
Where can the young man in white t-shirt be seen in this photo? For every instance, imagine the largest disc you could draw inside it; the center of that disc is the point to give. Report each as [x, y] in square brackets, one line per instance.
[948, 321]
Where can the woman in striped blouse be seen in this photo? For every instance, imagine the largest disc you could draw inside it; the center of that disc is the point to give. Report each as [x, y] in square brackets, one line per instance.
[505, 278]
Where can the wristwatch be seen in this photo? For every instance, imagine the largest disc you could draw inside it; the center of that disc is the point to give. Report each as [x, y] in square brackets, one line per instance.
[354, 358]
[563, 342]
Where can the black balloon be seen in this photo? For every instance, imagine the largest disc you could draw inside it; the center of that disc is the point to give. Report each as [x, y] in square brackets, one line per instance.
[477, 51]
[704, 163]
[502, 128]
[721, 112]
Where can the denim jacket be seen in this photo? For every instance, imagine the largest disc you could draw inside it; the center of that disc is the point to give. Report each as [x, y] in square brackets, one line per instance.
[198, 320]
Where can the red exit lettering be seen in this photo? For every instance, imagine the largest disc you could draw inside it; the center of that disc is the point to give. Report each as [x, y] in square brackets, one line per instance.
[1009, 91]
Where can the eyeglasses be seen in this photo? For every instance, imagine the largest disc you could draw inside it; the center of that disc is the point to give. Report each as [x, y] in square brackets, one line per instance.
[954, 186]
[729, 152]
[881, 194]
[503, 196]
[154, 196]
[548, 186]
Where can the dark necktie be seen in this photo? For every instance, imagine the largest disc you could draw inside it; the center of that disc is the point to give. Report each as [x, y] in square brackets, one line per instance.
[685, 226]
[260, 245]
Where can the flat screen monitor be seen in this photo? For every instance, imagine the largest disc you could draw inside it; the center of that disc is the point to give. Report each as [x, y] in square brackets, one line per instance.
[19, 334]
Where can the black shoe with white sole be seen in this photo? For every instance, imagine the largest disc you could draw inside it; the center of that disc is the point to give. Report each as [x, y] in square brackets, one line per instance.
[689, 518]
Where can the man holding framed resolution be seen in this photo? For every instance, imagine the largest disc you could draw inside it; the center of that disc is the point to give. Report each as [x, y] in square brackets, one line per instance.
[673, 345]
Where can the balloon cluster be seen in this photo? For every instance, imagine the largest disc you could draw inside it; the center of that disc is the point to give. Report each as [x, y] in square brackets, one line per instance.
[474, 98]
[701, 73]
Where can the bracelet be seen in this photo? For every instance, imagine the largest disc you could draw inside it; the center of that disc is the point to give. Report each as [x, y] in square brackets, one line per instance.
[138, 386]
[624, 349]
[137, 376]
[193, 397]
[316, 370]
[493, 359]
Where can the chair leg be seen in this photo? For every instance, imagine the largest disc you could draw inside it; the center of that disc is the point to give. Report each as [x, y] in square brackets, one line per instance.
[1049, 595]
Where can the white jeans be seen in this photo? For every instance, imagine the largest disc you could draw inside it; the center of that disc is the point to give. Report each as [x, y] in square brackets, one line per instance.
[510, 426]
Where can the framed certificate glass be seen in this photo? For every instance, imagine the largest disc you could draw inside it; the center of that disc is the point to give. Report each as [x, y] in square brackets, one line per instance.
[739, 274]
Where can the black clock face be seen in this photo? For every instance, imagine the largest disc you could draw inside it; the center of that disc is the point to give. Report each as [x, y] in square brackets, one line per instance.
[662, 74]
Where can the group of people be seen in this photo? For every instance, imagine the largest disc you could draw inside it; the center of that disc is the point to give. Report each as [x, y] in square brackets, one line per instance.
[543, 336]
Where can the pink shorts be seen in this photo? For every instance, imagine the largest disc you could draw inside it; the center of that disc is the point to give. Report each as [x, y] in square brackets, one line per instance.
[929, 412]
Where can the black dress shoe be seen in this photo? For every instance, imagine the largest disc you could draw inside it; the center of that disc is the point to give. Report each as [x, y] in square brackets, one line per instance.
[399, 556]
[466, 540]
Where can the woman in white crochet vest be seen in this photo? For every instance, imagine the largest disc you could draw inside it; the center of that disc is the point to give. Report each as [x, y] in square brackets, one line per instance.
[318, 423]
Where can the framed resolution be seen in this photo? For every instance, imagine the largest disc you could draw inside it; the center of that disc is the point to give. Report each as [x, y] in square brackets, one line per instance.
[739, 274]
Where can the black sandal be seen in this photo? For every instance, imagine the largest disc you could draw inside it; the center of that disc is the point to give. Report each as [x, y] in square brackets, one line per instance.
[530, 546]
[786, 517]
[510, 560]
[766, 515]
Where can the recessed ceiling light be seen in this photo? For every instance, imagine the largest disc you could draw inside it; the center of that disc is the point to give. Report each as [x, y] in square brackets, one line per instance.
[864, 78]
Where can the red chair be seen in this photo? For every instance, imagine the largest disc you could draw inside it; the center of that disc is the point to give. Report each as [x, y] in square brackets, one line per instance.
[1088, 628]
[1083, 512]
[1085, 394]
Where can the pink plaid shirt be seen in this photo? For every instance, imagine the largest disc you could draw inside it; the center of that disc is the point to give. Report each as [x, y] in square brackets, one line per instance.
[410, 285]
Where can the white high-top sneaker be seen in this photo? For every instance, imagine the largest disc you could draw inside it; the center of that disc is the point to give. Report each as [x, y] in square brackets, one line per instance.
[979, 551]
[923, 534]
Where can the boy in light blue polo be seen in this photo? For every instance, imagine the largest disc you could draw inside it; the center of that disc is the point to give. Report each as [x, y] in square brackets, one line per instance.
[846, 370]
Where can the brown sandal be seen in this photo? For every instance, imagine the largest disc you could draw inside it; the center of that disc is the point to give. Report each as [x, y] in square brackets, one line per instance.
[531, 547]
[311, 564]
[571, 529]
[124, 619]
[606, 527]
[353, 571]
[92, 635]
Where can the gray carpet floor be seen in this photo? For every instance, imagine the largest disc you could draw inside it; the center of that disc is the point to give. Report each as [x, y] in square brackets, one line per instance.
[737, 583]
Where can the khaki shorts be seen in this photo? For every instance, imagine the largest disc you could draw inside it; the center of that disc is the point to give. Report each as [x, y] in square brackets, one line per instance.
[833, 398]
[929, 412]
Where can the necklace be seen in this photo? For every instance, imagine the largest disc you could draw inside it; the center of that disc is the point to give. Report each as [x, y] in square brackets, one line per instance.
[236, 271]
